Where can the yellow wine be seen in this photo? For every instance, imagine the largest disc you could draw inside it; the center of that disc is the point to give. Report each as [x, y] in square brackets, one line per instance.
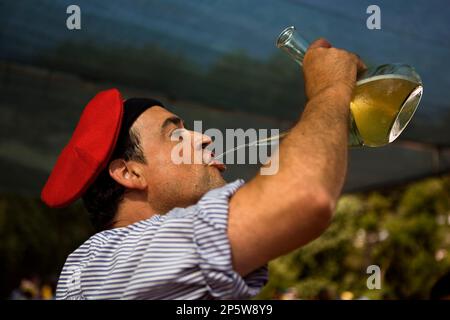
[376, 103]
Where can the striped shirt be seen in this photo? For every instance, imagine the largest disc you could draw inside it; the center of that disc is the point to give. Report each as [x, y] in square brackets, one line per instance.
[184, 254]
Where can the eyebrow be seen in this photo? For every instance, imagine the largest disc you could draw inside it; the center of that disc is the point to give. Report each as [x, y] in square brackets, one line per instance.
[172, 120]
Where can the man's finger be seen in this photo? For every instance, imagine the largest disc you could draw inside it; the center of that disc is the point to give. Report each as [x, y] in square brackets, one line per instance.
[320, 43]
[361, 66]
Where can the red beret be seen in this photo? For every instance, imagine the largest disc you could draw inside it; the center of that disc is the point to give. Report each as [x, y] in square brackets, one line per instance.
[101, 131]
[87, 152]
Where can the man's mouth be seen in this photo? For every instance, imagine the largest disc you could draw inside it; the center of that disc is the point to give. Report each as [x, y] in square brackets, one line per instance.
[219, 165]
[211, 162]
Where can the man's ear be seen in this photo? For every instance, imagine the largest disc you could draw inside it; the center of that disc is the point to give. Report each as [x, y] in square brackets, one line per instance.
[127, 174]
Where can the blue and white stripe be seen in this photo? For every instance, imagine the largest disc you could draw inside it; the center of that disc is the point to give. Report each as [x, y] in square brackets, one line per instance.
[184, 254]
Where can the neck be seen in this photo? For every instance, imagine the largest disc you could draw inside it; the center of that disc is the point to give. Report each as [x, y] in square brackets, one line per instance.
[133, 208]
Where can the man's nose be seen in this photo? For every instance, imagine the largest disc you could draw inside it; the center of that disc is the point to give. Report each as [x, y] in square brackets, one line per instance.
[201, 140]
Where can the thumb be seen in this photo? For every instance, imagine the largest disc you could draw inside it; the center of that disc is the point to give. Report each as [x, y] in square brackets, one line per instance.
[320, 43]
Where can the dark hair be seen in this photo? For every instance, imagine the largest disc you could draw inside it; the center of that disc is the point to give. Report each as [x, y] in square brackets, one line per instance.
[102, 198]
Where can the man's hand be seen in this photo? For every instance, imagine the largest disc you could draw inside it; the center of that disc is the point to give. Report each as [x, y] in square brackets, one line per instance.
[325, 67]
[272, 215]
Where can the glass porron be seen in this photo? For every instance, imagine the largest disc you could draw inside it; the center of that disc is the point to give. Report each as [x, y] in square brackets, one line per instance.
[411, 102]
[291, 42]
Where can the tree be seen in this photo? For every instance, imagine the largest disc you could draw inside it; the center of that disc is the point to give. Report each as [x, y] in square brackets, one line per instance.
[405, 231]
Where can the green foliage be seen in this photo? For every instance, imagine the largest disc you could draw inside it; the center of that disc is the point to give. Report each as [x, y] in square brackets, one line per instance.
[35, 240]
[405, 231]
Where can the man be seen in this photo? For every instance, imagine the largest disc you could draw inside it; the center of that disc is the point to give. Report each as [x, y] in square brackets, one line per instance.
[172, 231]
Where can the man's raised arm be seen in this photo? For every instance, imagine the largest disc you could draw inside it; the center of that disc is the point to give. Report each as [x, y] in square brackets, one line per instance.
[272, 215]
